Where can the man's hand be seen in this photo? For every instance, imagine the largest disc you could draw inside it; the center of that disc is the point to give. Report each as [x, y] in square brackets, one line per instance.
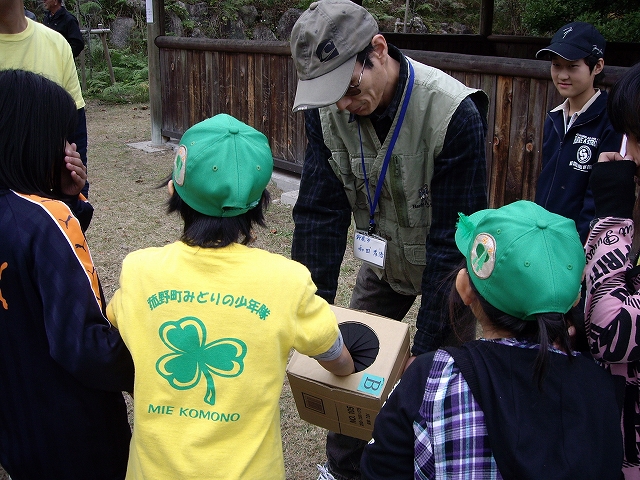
[75, 175]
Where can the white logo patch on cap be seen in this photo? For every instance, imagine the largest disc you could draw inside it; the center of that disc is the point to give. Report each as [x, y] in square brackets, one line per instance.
[483, 255]
[180, 165]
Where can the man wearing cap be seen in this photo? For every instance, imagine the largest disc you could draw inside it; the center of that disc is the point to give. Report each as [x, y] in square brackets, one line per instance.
[399, 144]
[578, 130]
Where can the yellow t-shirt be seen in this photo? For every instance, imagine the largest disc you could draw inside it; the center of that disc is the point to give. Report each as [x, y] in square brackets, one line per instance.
[210, 331]
[41, 50]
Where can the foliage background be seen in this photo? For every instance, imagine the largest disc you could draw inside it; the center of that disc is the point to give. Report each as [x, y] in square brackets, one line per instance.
[617, 20]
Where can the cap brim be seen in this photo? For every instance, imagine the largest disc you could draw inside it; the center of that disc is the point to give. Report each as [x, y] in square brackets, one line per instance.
[326, 89]
[567, 52]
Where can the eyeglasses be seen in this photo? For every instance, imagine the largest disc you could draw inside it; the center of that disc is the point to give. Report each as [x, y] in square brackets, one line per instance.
[353, 90]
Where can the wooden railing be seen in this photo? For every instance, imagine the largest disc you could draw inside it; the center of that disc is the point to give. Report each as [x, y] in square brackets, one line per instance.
[256, 82]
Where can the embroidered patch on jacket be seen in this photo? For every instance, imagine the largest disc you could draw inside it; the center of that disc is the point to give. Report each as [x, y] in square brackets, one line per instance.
[582, 163]
[424, 198]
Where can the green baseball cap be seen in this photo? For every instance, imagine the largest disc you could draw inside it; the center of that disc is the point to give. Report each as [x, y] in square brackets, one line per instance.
[222, 166]
[522, 258]
[325, 42]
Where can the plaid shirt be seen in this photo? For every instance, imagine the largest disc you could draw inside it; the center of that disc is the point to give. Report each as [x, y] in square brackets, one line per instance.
[322, 213]
[451, 437]
[432, 427]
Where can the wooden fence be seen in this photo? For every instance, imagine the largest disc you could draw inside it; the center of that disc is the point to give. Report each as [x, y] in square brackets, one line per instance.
[256, 82]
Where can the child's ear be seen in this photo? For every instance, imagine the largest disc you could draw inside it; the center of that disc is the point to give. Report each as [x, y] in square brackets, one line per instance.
[170, 188]
[463, 286]
[599, 66]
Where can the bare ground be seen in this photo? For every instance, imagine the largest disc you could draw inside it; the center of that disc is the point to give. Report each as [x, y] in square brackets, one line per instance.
[129, 215]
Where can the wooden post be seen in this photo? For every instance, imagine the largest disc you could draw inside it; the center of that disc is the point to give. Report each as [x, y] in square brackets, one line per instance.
[486, 17]
[406, 16]
[155, 28]
[83, 75]
[102, 32]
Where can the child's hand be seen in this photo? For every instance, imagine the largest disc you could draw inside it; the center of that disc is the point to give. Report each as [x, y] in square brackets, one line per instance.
[615, 157]
[75, 176]
[610, 157]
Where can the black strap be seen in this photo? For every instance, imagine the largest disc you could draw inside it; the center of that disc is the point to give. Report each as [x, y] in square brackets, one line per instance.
[464, 362]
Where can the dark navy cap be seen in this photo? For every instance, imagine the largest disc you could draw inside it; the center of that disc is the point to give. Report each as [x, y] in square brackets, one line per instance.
[574, 41]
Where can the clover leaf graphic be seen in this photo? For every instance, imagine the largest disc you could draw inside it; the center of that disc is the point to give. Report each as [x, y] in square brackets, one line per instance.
[193, 357]
[482, 256]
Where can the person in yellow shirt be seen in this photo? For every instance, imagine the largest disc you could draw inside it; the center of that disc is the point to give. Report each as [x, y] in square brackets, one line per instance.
[210, 321]
[28, 45]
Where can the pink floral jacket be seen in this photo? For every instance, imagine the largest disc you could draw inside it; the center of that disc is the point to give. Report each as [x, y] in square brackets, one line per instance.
[612, 313]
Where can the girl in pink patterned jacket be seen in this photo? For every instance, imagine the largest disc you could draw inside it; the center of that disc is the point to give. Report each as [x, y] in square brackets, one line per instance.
[613, 273]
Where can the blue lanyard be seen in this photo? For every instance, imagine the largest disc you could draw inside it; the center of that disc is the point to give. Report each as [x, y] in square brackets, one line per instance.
[387, 157]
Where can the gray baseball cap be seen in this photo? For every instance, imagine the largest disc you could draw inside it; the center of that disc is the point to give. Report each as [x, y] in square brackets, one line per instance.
[324, 44]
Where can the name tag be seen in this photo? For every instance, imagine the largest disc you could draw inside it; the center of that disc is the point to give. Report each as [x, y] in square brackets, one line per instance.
[369, 248]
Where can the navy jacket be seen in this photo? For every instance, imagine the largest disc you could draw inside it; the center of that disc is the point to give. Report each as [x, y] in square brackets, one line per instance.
[567, 159]
[62, 365]
[66, 24]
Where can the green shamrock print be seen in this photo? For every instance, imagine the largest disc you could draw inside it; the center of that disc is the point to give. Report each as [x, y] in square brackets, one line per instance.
[482, 255]
[192, 357]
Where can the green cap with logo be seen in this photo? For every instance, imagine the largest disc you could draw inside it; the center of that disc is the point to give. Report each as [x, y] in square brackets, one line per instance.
[222, 167]
[325, 41]
[522, 259]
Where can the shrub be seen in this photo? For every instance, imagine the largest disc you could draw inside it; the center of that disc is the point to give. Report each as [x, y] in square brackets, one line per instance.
[131, 73]
[121, 93]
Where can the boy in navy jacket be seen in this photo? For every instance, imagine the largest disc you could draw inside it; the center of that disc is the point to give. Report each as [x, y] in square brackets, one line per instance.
[578, 130]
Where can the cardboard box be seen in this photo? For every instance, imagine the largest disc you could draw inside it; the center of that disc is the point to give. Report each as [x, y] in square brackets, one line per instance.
[349, 405]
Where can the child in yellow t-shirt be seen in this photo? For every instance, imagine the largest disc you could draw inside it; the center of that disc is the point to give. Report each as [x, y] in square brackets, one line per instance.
[210, 321]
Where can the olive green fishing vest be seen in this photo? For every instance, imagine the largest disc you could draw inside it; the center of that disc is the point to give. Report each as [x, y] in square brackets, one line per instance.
[403, 213]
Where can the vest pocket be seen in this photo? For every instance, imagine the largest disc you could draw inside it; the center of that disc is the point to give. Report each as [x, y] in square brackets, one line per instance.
[416, 254]
[409, 181]
[404, 267]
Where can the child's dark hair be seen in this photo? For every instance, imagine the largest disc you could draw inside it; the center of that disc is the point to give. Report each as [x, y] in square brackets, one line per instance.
[548, 329]
[591, 62]
[205, 231]
[624, 103]
[36, 117]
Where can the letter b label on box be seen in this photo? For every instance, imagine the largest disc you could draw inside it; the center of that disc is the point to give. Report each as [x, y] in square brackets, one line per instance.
[371, 384]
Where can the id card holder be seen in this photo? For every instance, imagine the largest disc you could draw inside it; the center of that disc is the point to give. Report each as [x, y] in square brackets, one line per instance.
[369, 248]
